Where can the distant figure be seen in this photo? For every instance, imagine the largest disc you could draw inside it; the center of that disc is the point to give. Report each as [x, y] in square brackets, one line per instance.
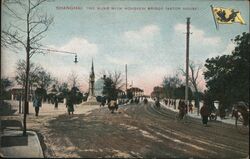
[56, 102]
[69, 103]
[182, 109]
[103, 101]
[157, 102]
[204, 114]
[112, 105]
[37, 103]
[174, 103]
[190, 107]
[166, 101]
[145, 101]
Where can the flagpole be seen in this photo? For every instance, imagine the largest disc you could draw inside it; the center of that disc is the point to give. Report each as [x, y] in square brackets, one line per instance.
[216, 25]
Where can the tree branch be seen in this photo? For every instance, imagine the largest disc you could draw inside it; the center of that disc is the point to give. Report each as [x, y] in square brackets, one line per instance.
[14, 13]
[14, 38]
[47, 23]
[37, 4]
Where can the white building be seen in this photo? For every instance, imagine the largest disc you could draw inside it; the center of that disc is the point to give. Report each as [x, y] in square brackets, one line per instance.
[99, 86]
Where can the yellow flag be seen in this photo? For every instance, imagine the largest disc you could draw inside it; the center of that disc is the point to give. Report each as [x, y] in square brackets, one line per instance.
[227, 16]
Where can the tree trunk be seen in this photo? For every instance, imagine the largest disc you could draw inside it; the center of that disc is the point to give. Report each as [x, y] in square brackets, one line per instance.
[197, 100]
[26, 100]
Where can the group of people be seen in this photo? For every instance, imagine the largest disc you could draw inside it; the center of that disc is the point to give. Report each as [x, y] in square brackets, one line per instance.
[182, 106]
[170, 102]
[37, 102]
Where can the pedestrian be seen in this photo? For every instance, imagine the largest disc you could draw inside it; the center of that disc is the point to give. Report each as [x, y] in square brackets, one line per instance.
[103, 101]
[204, 114]
[37, 102]
[56, 102]
[69, 103]
[166, 101]
[190, 107]
[181, 108]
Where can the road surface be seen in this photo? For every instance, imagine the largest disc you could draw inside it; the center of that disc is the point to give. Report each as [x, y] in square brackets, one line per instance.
[134, 131]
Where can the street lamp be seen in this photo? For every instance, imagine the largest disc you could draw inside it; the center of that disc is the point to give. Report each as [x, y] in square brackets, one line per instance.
[75, 59]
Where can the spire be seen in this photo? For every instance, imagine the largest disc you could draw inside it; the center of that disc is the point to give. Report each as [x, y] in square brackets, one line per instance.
[92, 68]
[92, 73]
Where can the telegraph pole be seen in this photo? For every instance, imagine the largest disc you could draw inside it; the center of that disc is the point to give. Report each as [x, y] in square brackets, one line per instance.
[126, 72]
[187, 59]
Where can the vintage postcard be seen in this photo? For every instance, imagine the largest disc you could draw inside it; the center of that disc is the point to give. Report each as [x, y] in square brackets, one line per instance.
[125, 78]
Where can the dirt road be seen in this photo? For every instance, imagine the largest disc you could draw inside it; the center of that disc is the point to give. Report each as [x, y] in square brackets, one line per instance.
[135, 131]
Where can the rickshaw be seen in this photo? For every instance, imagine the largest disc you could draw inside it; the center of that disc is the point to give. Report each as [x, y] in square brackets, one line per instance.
[241, 114]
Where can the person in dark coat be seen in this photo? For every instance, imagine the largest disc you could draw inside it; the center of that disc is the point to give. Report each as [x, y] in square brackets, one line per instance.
[182, 109]
[190, 107]
[204, 114]
[37, 102]
[69, 103]
[56, 102]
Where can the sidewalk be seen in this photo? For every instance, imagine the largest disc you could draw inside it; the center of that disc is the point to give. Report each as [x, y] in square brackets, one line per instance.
[14, 145]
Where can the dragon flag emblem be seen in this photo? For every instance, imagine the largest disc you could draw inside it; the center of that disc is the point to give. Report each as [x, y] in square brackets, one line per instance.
[227, 16]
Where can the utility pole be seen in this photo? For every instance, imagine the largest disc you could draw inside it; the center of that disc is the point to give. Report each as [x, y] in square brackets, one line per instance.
[187, 59]
[126, 72]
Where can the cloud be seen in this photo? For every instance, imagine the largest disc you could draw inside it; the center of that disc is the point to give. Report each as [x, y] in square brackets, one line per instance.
[150, 77]
[143, 34]
[122, 60]
[80, 46]
[198, 35]
[140, 40]
[229, 48]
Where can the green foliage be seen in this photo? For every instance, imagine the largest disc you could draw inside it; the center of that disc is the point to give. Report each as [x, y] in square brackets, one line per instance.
[170, 84]
[109, 89]
[227, 76]
[179, 92]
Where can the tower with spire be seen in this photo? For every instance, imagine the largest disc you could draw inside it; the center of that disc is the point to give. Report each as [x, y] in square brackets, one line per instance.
[92, 81]
[91, 98]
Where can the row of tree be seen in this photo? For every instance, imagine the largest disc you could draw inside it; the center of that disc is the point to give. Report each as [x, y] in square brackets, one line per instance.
[227, 76]
[174, 88]
[42, 79]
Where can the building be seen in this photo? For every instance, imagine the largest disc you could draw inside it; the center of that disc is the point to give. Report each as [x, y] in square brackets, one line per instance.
[137, 92]
[99, 84]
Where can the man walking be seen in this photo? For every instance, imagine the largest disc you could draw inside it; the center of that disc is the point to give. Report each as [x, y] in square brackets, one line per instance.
[37, 102]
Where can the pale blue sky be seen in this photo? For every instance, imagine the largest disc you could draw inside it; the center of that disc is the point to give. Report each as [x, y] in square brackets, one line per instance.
[151, 42]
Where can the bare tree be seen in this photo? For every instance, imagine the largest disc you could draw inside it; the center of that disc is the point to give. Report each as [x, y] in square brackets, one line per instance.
[73, 78]
[26, 30]
[112, 84]
[21, 73]
[116, 77]
[44, 79]
[194, 80]
[170, 83]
